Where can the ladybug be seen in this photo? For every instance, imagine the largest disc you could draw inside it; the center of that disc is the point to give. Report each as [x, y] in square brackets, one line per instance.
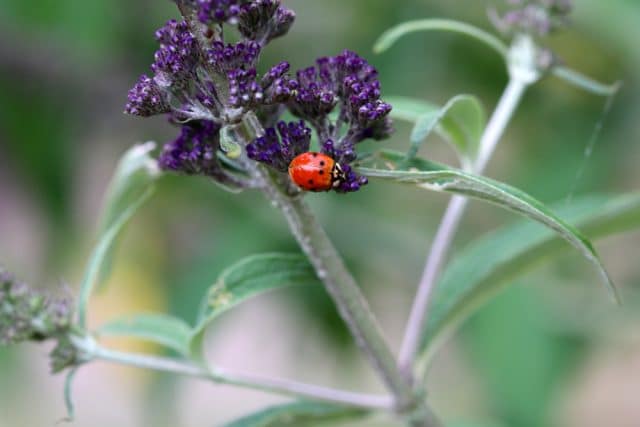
[314, 171]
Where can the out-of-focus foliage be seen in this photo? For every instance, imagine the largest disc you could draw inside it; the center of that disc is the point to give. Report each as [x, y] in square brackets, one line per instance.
[65, 68]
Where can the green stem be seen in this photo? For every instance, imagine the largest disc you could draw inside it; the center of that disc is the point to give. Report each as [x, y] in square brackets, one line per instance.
[338, 281]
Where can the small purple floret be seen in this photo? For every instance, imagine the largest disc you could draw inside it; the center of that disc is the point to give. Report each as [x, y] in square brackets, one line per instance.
[194, 151]
[280, 145]
[146, 99]
[218, 11]
[176, 60]
[224, 58]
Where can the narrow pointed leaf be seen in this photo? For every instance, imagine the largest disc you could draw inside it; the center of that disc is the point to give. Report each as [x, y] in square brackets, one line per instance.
[247, 278]
[461, 122]
[131, 186]
[391, 36]
[585, 83]
[489, 264]
[477, 187]
[167, 331]
[409, 109]
[135, 173]
[299, 414]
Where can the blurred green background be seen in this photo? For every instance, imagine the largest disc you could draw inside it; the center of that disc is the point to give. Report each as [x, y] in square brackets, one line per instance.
[550, 352]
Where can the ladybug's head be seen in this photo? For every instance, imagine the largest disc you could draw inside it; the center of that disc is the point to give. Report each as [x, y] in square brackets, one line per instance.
[338, 176]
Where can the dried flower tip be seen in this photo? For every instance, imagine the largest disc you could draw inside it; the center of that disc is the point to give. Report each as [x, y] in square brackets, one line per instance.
[64, 355]
[264, 20]
[29, 315]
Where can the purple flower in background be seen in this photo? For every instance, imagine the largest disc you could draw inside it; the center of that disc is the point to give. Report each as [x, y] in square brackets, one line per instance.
[536, 17]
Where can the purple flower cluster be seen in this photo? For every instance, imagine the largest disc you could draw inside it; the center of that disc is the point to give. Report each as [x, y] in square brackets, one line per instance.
[225, 58]
[345, 82]
[264, 20]
[176, 61]
[194, 151]
[349, 83]
[536, 17]
[204, 84]
[275, 87]
[279, 145]
[147, 99]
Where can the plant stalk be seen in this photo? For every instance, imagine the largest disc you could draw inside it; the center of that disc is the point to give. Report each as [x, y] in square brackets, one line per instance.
[339, 283]
[449, 225]
[256, 382]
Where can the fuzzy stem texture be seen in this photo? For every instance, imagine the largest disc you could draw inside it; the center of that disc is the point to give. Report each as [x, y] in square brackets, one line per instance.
[449, 225]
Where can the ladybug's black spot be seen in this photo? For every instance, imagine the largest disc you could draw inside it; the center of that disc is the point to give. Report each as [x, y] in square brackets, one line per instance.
[311, 182]
[320, 172]
[315, 154]
[322, 163]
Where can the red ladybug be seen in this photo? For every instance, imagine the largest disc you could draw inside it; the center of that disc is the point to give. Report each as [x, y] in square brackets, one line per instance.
[314, 171]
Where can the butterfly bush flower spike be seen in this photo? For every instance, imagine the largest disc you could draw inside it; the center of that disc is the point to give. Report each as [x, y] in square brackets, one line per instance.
[204, 83]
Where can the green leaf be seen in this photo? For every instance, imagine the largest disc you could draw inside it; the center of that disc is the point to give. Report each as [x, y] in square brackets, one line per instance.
[135, 173]
[131, 186]
[396, 158]
[391, 36]
[161, 329]
[409, 109]
[585, 83]
[490, 264]
[247, 278]
[461, 122]
[298, 414]
[478, 187]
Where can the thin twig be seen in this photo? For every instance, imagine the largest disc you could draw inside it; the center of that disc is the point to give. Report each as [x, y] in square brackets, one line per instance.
[248, 380]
